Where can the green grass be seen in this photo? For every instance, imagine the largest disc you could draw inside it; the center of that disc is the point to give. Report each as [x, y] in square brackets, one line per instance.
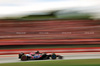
[38, 17]
[85, 62]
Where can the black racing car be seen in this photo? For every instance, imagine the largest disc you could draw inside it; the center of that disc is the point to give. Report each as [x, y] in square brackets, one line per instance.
[38, 56]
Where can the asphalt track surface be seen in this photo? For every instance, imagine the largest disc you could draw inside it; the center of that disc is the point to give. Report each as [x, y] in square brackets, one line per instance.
[66, 56]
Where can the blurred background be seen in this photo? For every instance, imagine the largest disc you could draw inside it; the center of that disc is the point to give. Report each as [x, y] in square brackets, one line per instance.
[31, 25]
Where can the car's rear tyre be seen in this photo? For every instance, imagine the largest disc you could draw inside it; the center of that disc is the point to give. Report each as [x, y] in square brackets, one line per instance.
[20, 55]
[53, 56]
[24, 58]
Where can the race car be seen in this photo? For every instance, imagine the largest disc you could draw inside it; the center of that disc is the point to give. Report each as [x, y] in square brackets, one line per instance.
[38, 56]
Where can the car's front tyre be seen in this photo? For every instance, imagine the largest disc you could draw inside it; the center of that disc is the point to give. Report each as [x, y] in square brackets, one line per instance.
[53, 56]
[24, 58]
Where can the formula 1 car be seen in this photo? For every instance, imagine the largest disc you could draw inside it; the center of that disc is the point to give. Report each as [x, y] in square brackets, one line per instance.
[38, 56]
